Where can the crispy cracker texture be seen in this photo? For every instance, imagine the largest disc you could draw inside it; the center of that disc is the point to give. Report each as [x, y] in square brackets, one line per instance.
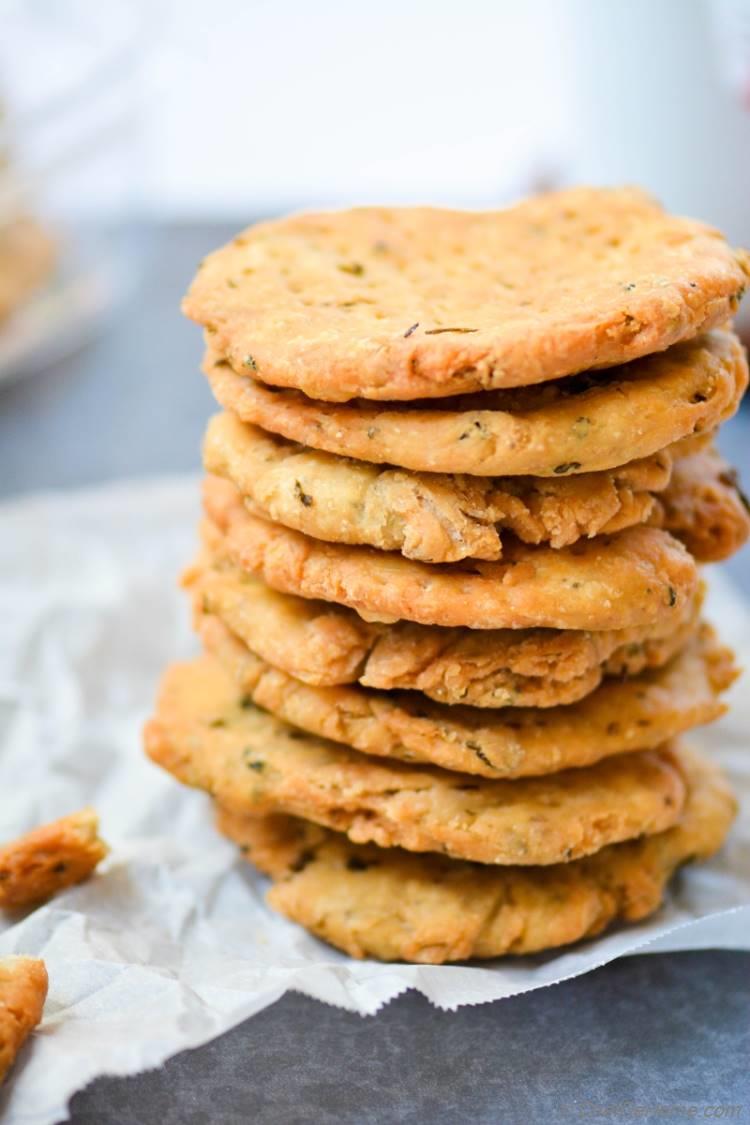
[622, 715]
[23, 990]
[705, 507]
[428, 517]
[636, 577]
[442, 518]
[405, 303]
[44, 862]
[324, 644]
[394, 906]
[211, 737]
[581, 424]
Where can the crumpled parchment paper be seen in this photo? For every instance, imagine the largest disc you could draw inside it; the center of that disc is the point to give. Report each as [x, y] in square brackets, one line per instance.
[171, 943]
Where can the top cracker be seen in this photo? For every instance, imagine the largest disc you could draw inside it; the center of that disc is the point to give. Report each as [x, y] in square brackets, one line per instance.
[406, 303]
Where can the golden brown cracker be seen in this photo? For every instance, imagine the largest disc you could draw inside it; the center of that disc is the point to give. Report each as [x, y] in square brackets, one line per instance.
[405, 303]
[396, 906]
[23, 990]
[324, 644]
[210, 736]
[27, 258]
[44, 862]
[429, 517]
[581, 424]
[705, 507]
[636, 577]
[622, 715]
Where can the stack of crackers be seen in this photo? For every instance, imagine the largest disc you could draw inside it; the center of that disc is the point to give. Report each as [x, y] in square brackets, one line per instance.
[448, 590]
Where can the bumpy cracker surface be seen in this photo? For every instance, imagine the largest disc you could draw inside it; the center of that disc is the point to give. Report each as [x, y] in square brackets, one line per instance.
[445, 518]
[622, 715]
[395, 906]
[44, 862]
[705, 507]
[580, 424]
[23, 990]
[211, 737]
[427, 517]
[636, 577]
[390, 303]
[324, 644]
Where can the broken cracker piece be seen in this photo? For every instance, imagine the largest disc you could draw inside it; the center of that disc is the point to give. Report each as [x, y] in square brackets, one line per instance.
[44, 862]
[23, 990]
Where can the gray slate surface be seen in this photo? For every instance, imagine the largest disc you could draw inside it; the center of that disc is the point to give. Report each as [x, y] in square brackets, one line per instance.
[627, 1043]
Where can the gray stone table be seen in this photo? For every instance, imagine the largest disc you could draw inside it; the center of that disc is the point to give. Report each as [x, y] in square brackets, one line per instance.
[644, 1039]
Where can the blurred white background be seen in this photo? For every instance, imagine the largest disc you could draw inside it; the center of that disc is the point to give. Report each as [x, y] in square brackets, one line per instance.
[263, 105]
[188, 111]
[256, 106]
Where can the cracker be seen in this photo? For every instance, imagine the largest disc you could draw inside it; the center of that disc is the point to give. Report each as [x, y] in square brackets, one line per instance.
[44, 862]
[636, 577]
[23, 990]
[705, 507]
[621, 715]
[438, 518]
[27, 258]
[405, 303]
[528, 668]
[211, 737]
[428, 517]
[315, 641]
[578, 425]
[325, 644]
[397, 906]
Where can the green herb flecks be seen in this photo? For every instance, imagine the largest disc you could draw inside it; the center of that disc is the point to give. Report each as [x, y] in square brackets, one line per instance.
[248, 361]
[409, 331]
[477, 749]
[251, 761]
[566, 467]
[304, 497]
[475, 430]
[356, 269]
[439, 331]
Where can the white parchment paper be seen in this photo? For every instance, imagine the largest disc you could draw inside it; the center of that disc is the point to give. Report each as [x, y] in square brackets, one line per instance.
[171, 943]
